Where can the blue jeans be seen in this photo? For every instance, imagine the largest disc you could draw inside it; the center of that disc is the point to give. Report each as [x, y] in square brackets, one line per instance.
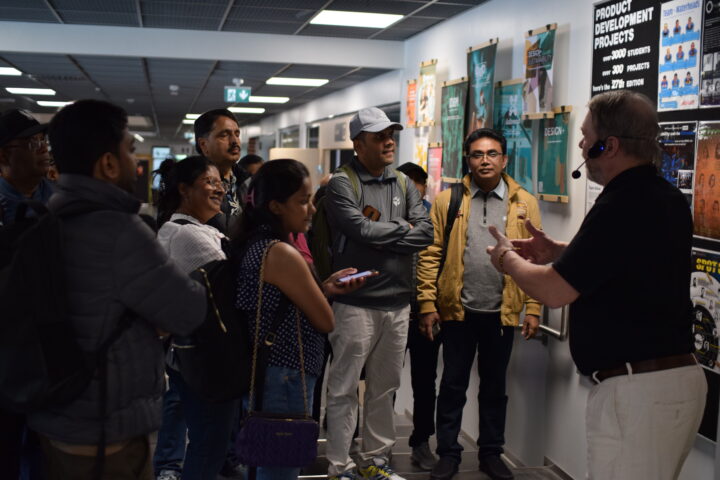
[283, 393]
[209, 425]
[170, 449]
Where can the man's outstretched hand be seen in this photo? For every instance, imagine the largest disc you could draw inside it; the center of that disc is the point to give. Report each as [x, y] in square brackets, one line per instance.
[539, 249]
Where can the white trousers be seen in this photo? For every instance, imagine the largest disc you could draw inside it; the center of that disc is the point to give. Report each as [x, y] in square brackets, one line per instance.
[642, 426]
[376, 340]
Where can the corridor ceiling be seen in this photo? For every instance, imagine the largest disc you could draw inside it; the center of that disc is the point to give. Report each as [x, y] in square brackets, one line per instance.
[162, 59]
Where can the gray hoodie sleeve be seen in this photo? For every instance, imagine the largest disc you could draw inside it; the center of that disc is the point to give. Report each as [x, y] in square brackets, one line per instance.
[421, 235]
[150, 284]
[345, 215]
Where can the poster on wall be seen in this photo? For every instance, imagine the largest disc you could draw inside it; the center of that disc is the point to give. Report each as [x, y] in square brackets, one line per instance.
[706, 201]
[677, 164]
[454, 95]
[434, 171]
[420, 147]
[517, 132]
[625, 46]
[411, 104]
[705, 296]
[508, 103]
[481, 75]
[426, 93]
[519, 149]
[678, 65]
[539, 53]
[710, 76]
[552, 157]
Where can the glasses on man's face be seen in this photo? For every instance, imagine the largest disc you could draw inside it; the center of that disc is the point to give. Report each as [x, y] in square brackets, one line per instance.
[32, 143]
[478, 155]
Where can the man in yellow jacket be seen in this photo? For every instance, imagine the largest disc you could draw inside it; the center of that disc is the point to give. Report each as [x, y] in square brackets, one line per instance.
[477, 307]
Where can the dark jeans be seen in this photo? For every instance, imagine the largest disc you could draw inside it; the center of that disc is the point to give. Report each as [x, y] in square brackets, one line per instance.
[423, 372]
[170, 449]
[209, 427]
[493, 342]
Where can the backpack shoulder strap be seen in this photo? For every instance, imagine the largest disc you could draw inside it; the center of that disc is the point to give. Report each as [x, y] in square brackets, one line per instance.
[402, 181]
[352, 175]
[182, 221]
[456, 194]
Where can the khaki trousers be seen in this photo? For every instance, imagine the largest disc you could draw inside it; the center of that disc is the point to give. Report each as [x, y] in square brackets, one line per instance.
[376, 340]
[642, 426]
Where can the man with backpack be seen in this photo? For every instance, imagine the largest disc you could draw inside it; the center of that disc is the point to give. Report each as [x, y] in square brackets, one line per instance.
[24, 163]
[120, 291]
[377, 221]
[477, 309]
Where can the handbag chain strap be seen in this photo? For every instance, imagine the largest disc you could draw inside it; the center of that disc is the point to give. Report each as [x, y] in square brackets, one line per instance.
[258, 315]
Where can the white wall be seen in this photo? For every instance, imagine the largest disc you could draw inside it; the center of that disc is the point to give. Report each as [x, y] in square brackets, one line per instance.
[546, 413]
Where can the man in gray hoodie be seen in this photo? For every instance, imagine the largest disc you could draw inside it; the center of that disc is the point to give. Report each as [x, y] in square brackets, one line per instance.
[378, 221]
[115, 271]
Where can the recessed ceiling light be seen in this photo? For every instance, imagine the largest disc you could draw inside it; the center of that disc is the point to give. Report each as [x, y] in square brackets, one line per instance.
[192, 116]
[298, 82]
[30, 91]
[139, 138]
[355, 19]
[10, 71]
[49, 103]
[246, 110]
[259, 99]
[188, 121]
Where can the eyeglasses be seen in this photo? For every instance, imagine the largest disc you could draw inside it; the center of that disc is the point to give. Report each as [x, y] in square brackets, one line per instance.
[492, 155]
[32, 143]
[217, 184]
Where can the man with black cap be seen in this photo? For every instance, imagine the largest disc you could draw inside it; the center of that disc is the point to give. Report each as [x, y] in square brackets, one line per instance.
[378, 221]
[24, 163]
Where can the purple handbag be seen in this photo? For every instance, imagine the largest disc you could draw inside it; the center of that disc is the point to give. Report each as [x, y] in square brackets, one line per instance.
[276, 439]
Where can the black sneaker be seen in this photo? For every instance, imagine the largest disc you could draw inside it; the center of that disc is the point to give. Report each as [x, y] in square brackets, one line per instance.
[495, 468]
[444, 469]
[422, 457]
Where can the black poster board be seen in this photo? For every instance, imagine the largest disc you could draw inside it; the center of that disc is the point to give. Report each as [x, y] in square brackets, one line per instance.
[625, 46]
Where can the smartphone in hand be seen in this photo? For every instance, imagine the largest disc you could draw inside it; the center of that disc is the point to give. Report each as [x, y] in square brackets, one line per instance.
[366, 273]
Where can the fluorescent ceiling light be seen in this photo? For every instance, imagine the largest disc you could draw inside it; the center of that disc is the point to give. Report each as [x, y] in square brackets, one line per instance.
[192, 116]
[246, 110]
[355, 19]
[30, 91]
[187, 121]
[139, 138]
[258, 99]
[48, 103]
[10, 71]
[298, 82]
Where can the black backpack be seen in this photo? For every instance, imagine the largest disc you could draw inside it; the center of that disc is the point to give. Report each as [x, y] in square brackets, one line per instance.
[215, 359]
[41, 363]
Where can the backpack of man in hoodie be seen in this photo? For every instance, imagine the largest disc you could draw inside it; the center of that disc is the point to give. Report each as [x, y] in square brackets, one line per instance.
[320, 237]
[41, 363]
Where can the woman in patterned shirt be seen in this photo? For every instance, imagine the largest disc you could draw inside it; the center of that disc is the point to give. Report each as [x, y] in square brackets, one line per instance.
[279, 204]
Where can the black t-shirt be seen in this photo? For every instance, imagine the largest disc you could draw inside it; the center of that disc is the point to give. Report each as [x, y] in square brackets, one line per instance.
[631, 263]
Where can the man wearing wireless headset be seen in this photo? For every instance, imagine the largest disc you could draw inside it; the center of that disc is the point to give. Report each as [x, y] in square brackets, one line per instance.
[625, 275]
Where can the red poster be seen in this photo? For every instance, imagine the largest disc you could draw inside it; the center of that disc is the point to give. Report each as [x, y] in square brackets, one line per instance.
[411, 103]
[434, 170]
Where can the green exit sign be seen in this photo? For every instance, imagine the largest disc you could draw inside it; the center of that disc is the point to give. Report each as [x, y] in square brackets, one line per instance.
[237, 94]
